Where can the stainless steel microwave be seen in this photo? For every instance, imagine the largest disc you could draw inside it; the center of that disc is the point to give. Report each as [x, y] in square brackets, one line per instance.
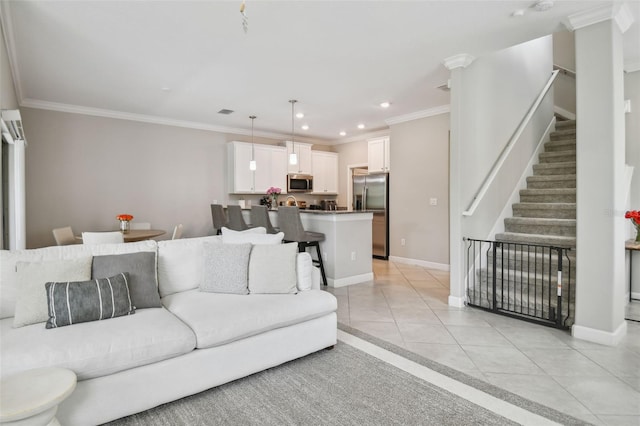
[299, 183]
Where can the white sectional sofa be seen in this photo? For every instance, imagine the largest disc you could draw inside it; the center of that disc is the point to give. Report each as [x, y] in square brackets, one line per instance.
[196, 340]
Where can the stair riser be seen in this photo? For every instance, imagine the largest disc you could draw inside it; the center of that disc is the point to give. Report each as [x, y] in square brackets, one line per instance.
[545, 213]
[560, 231]
[555, 146]
[556, 157]
[550, 184]
[548, 198]
[566, 124]
[563, 134]
[541, 170]
[537, 239]
[532, 264]
[536, 288]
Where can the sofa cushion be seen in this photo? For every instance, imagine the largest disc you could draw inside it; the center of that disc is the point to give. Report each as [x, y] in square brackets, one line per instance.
[304, 272]
[180, 264]
[94, 349]
[83, 301]
[225, 268]
[143, 280]
[217, 319]
[9, 258]
[272, 269]
[31, 303]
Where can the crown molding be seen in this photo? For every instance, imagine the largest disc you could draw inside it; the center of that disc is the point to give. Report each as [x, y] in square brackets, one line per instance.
[461, 60]
[98, 112]
[443, 109]
[632, 65]
[362, 137]
[620, 13]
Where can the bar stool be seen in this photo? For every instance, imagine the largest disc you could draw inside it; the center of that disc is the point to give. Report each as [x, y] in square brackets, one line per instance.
[219, 218]
[260, 217]
[289, 222]
[236, 221]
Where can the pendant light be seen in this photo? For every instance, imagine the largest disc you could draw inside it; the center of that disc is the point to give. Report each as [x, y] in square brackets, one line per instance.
[293, 157]
[252, 163]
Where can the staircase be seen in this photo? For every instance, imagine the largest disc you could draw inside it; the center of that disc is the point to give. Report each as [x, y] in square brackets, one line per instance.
[526, 276]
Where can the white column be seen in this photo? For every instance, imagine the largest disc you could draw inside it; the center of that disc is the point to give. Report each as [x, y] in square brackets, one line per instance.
[457, 278]
[600, 277]
[17, 196]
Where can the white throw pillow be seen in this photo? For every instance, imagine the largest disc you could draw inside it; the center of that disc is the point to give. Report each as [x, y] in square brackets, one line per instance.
[225, 268]
[31, 301]
[304, 266]
[256, 239]
[272, 269]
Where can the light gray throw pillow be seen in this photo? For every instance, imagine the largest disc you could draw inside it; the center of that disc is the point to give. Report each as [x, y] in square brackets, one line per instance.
[225, 268]
[272, 269]
[141, 267]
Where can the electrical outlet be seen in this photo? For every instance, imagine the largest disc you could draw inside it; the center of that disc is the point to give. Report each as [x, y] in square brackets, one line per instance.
[433, 201]
[402, 241]
[353, 255]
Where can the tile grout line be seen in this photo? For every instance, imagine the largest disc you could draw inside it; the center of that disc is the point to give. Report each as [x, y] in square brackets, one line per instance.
[462, 390]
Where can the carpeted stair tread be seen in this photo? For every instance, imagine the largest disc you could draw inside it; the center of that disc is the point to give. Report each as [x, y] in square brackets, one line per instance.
[564, 124]
[541, 226]
[551, 181]
[561, 145]
[563, 133]
[552, 240]
[545, 210]
[564, 168]
[557, 157]
[548, 195]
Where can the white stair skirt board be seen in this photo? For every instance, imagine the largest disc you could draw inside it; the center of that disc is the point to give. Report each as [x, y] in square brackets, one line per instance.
[354, 279]
[599, 336]
[417, 262]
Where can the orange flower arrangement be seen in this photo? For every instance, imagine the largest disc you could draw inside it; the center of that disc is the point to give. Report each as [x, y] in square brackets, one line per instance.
[126, 217]
[634, 215]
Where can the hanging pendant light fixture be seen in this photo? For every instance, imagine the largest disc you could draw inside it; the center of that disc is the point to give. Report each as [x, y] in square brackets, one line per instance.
[293, 157]
[252, 163]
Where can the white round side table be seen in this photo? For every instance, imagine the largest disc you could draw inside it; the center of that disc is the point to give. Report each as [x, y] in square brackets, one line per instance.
[32, 397]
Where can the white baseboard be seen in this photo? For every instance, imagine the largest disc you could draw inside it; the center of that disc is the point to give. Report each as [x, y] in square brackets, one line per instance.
[599, 336]
[417, 262]
[355, 279]
[457, 302]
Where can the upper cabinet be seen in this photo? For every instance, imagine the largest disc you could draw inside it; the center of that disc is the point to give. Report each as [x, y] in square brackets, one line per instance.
[303, 152]
[271, 168]
[324, 167]
[379, 160]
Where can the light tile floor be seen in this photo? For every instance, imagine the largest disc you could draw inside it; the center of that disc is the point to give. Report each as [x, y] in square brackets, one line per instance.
[407, 305]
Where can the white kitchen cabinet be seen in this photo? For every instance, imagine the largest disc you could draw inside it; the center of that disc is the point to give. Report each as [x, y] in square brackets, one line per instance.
[324, 167]
[271, 168]
[303, 152]
[379, 159]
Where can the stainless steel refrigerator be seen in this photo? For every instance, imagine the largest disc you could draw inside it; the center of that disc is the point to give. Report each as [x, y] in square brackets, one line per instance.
[371, 192]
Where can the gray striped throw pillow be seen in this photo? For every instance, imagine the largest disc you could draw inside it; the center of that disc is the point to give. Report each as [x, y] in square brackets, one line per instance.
[83, 301]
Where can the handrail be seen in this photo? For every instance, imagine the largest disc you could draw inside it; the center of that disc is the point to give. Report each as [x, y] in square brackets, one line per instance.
[507, 149]
[565, 71]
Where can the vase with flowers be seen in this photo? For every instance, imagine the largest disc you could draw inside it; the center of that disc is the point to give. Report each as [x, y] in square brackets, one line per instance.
[125, 222]
[273, 192]
[634, 215]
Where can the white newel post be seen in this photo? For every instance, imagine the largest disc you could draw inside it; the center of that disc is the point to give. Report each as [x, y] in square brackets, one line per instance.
[457, 287]
[600, 232]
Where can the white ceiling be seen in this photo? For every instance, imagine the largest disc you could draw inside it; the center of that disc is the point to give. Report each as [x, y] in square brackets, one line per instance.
[340, 59]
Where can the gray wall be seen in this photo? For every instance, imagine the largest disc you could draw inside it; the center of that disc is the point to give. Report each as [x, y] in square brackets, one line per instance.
[8, 98]
[564, 55]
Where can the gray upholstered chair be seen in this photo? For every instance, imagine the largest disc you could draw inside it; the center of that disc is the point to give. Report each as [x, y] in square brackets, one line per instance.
[64, 236]
[236, 221]
[289, 222]
[219, 218]
[102, 237]
[260, 217]
[177, 232]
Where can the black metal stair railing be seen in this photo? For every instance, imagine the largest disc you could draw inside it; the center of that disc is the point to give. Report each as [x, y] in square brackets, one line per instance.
[526, 281]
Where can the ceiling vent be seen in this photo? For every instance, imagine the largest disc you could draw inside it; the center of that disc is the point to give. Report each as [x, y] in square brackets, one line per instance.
[225, 111]
[11, 123]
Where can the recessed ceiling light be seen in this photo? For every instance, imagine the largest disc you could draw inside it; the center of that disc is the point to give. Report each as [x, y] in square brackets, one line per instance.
[343, 133]
[305, 127]
[385, 104]
[518, 13]
[360, 126]
[165, 89]
[300, 115]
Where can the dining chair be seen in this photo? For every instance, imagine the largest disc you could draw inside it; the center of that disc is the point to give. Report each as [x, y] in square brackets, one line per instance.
[177, 232]
[140, 225]
[289, 222]
[64, 236]
[219, 218]
[236, 221]
[260, 217]
[102, 237]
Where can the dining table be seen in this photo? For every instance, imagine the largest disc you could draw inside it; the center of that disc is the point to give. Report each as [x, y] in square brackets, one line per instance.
[137, 235]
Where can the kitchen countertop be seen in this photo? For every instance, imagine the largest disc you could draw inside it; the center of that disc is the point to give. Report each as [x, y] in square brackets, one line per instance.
[335, 211]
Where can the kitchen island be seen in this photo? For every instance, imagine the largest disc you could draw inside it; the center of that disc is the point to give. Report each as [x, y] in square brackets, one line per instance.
[346, 250]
